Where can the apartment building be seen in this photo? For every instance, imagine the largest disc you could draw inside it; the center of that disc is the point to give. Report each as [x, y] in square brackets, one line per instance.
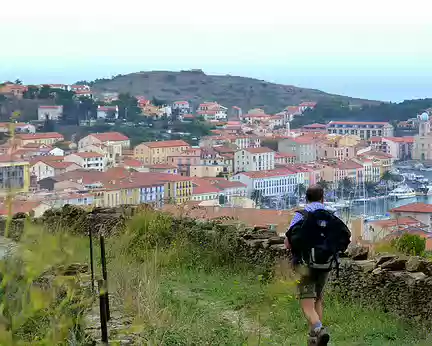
[254, 159]
[212, 111]
[303, 147]
[401, 148]
[158, 152]
[110, 144]
[88, 160]
[47, 138]
[42, 169]
[277, 182]
[363, 129]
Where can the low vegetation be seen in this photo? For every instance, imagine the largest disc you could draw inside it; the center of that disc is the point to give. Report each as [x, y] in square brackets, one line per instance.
[179, 283]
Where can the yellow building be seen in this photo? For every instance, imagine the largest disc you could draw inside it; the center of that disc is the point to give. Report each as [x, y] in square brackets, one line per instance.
[158, 152]
[177, 189]
[47, 138]
[14, 175]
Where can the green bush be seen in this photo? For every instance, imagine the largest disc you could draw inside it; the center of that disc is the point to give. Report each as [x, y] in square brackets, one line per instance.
[410, 244]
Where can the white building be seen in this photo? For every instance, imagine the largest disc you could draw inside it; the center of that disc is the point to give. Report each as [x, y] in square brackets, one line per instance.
[277, 182]
[212, 111]
[110, 112]
[42, 169]
[363, 129]
[50, 112]
[254, 159]
[182, 106]
[111, 144]
[94, 161]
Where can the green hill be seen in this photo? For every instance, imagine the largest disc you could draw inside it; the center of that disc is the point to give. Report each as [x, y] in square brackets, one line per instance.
[196, 86]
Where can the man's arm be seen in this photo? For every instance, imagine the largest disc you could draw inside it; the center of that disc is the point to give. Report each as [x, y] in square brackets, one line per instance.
[297, 217]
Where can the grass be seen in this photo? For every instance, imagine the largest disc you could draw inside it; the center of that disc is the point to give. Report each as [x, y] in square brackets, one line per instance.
[181, 294]
[176, 290]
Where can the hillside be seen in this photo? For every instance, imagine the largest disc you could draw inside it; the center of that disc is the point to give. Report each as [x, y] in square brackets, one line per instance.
[196, 86]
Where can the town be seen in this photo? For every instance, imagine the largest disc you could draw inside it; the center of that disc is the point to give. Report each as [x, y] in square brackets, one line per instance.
[238, 160]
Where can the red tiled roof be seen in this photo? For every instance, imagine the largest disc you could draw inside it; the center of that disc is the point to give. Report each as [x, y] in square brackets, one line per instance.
[258, 150]
[315, 125]
[50, 107]
[87, 154]
[161, 166]
[406, 139]
[349, 165]
[308, 104]
[358, 123]
[60, 165]
[109, 136]
[222, 183]
[267, 174]
[166, 144]
[282, 155]
[132, 163]
[248, 216]
[399, 222]
[413, 208]
[107, 108]
[41, 135]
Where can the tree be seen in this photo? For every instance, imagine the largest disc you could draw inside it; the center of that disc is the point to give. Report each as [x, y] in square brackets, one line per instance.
[158, 102]
[18, 81]
[49, 125]
[128, 107]
[257, 197]
[324, 184]
[301, 190]
[410, 244]
[45, 92]
[31, 93]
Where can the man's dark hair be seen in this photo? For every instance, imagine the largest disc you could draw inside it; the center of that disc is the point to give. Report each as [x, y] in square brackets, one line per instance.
[315, 193]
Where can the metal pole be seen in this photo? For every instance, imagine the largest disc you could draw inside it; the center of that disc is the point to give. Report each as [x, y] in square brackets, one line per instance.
[103, 299]
[104, 274]
[91, 260]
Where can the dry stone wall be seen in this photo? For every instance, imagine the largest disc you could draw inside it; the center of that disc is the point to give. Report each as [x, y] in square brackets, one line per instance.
[397, 284]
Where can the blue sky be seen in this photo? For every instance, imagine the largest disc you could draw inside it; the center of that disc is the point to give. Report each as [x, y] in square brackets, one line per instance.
[374, 49]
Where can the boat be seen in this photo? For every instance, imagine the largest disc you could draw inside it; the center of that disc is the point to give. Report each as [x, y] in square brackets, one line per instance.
[426, 169]
[402, 192]
[330, 206]
[341, 204]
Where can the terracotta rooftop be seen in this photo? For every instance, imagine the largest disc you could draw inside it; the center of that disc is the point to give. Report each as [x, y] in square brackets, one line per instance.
[268, 173]
[110, 136]
[399, 222]
[40, 135]
[413, 208]
[166, 144]
[357, 123]
[248, 216]
[88, 155]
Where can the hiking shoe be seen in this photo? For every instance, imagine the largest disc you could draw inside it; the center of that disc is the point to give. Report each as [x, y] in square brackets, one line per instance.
[320, 338]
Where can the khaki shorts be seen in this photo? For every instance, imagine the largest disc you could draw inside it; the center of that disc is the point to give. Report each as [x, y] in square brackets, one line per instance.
[311, 283]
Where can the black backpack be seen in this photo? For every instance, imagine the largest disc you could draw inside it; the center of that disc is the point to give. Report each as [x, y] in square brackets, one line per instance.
[318, 239]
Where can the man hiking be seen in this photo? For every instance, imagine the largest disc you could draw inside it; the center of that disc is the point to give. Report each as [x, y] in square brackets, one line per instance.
[315, 238]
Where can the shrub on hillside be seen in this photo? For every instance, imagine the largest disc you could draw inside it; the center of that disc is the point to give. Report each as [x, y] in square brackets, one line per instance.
[410, 244]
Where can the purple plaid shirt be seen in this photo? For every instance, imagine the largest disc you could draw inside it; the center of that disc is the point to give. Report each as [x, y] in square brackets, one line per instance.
[309, 207]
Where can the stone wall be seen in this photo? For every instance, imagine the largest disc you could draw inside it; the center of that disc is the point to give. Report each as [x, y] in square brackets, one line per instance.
[401, 285]
[398, 284]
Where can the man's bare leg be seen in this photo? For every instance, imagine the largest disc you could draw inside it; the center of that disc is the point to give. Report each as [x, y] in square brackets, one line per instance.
[319, 307]
[308, 307]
